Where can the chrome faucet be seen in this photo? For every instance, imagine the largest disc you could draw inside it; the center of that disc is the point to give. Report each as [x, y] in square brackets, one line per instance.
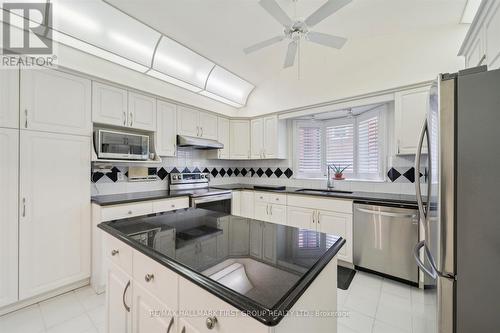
[329, 183]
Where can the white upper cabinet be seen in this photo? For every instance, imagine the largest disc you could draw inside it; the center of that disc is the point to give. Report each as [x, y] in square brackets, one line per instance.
[9, 98]
[257, 135]
[166, 132]
[482, 45]
[55, 101]
[240, 139]
[268, 138]
[141, 112]
[54, 223]
[8, 215]
[223, 137]
[191, 122]
[410, 111]
[109, 105]
[208, 126]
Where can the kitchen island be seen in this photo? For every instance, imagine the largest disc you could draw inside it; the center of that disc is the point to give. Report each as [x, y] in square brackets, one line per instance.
[193, 270]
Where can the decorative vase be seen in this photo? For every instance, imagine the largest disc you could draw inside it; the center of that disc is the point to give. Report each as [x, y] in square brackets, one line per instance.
[339, 176]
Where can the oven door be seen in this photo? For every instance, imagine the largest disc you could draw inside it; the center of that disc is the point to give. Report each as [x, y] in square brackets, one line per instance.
[218, 202]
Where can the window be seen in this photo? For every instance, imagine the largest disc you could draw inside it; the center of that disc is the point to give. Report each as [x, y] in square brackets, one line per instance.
[356, 143]
[308, 239]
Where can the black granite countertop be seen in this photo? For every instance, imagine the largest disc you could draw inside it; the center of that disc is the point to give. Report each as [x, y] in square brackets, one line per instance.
[364, 197]
[115, 199]
[212, 250]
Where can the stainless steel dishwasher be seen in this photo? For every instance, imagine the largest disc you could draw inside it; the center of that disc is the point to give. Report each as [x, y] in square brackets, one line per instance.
[384, 238]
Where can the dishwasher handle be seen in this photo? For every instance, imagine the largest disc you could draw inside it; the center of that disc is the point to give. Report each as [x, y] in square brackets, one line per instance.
[388, 214]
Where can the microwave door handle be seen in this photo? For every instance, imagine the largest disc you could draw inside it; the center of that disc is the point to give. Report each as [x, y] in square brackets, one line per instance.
[420, 202]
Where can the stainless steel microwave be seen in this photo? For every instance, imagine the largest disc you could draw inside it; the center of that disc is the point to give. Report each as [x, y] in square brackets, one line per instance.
[121, 145]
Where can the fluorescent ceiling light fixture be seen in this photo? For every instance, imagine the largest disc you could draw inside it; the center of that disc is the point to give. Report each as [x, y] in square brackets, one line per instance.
[220, 99]
[174, 81]
[80, 19]
[470, 11]
[176, 60]
[229, 86]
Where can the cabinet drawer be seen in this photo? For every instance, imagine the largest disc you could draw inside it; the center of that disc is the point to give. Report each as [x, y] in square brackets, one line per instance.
[156, 279]
[194, 299]
[126, 210]
[315, 202]
[118, 253]
[270, 197]
[166, 205]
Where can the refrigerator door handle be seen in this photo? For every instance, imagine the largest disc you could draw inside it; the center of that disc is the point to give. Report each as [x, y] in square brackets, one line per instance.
[423, 213]
[416, 254]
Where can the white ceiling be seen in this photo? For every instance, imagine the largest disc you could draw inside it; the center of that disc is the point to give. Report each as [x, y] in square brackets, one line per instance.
[220, 29]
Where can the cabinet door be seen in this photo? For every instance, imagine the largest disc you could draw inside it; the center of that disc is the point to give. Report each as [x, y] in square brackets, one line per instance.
[410, 112]
[109, 105]
[236, 203]
[208, 126]
[166, 132]
[278, 214]
[8, 215]
[55, 101]
[256, 240]
[223, 240]
[240, 139]
[188, 255]
[141, 112]
[247, 204]
[9, 98]
[188, 121]
[118, 295]
[186, 327]
[150, 315]
[262, 211]
[257, 138]
[338, 224]
[239, 232]
[208, 251]
[269, 242]
[223, 137]
[54, 230]
[271, 137]
[301, 218]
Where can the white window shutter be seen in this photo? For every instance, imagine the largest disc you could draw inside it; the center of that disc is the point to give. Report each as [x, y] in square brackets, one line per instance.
[309, 150]
[368, 159]
[340, 146]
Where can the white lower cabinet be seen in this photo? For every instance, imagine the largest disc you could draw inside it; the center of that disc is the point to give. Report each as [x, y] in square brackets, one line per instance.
[54, 223]
[301, 217]
[118, 300]
[8, 215]
[185, 327]
[263, 241]
[150, 315]
[247, 204]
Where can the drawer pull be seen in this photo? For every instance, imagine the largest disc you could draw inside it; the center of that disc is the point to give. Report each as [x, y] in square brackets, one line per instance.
[261, 197]
[149, 277]
[170, 324]
[129, 212]
[277, 199]
[172, 205]
[114, 252]
[211, 322]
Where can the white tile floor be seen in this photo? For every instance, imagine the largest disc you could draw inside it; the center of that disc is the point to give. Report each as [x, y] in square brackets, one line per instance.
[375, 305]
[79, 311]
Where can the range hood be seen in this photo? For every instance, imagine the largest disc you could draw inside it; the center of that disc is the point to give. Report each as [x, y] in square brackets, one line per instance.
[198, 143]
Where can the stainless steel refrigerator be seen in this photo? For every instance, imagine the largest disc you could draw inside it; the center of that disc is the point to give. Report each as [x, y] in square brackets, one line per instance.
[460, 254]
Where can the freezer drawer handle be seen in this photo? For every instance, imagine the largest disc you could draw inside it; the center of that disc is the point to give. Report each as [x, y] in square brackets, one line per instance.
[376, 212]
[416, 255]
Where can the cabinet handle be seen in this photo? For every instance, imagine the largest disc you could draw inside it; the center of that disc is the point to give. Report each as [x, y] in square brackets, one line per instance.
[201, 128]
[24, 207]
[318, 217]
[211, 322]
[314, 217]
[129, 212]
[149, 277]
[183, 329]
[197, 131]
[114, 252]
[267, 209]
[124, 118]
[172, 206]
[127, 308]
[271, 209]
[170, 324]
[131, 118]
[26, 118]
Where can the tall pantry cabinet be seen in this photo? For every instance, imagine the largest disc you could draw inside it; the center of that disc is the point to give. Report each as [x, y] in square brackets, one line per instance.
[45, 167]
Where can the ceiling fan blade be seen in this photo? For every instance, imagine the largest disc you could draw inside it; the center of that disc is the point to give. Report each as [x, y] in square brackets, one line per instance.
[263, 44]
[326, 10]
[272, 7]
[290, 54]
[326, 40]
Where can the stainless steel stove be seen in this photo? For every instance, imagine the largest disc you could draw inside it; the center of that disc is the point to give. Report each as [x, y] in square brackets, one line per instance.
[201, 195]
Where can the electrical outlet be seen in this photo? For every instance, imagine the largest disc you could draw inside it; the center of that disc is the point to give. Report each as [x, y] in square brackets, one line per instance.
[120, 176]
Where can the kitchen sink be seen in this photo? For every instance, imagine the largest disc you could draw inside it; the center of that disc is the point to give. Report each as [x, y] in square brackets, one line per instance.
[318, 191]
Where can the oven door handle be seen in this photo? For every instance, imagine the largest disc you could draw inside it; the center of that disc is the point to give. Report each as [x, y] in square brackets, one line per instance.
[212, 198]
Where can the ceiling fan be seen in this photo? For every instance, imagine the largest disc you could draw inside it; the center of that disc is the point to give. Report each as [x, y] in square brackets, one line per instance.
[298, 29]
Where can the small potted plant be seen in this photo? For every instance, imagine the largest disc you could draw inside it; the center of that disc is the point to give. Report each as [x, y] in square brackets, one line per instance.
[338, 171]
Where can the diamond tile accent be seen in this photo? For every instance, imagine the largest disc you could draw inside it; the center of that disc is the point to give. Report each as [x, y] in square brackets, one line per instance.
[174, 170]
[96, 176]
[260, 172]
[186, 170]
[113, 176]
[410, 174]
[196, 170]
[206, 170]
[252, 172]
[244, 172]
[115, 170]
[214, 172]
[269, 172]
[236, 172]
[393, 174]
[162, 173]
[278, 172]
[222, 172]
[288, 173]
[229, 172]
[151, 171]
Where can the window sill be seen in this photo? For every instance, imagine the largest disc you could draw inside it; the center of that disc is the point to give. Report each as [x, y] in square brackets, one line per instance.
[343, 180]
